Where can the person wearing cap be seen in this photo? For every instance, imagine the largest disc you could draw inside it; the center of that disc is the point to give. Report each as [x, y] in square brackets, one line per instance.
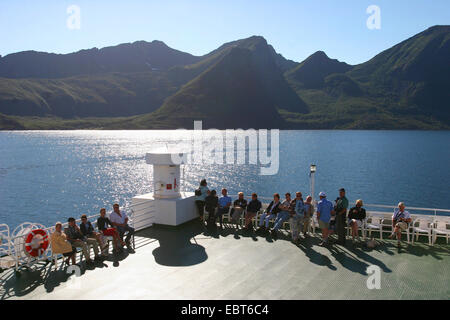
[324, 212]
[400, 220]
[356, 216]
[60, 244]
[341, 212]
[119, 219]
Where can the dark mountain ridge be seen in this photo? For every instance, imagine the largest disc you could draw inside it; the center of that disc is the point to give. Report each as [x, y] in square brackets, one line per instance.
[128, 57]
[414, 73]
[242, 86]
[312, 71]
[230, 94]
[406, 86]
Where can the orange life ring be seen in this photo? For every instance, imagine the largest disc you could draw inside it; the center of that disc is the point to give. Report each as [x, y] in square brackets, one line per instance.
[36, 242]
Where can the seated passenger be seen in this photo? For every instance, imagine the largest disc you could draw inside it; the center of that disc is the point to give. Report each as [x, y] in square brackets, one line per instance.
[60, 245]
[252, 209]
[78, 240]
[119, 220]
[106, 228]
[224, 206]
[400, 221]
[87, 229]
[269, 213]
[356, 216]
[239, 206]
[211, 203]
[283, 215]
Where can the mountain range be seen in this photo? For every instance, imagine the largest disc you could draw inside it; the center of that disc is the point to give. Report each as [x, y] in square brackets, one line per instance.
[241, 84]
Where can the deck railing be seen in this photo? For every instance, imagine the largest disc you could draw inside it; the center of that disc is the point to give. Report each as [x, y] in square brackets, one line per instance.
[413, 210]
[141, 216]
[427, 211]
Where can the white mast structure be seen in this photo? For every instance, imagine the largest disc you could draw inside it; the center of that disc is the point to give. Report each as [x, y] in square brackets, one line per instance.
[166, 205]
[312, 171]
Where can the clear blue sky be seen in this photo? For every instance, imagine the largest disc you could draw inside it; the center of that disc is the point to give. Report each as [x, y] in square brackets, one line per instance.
[296, 28]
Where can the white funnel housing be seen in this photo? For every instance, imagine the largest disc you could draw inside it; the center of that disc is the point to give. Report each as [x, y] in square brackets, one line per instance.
[166, 175]
[166, 205]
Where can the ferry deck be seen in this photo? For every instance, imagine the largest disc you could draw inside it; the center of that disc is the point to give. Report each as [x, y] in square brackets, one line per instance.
[185, 262]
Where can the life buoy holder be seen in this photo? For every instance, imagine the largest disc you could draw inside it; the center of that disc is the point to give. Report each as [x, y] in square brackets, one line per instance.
[36, 243]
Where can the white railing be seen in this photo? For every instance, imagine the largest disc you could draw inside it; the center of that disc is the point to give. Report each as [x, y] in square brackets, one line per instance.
[426, 211]
[139, 218]
[386, 216]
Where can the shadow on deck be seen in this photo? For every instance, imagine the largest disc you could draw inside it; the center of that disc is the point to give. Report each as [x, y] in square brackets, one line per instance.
[175, 246]
[179, 247]
[44, 273]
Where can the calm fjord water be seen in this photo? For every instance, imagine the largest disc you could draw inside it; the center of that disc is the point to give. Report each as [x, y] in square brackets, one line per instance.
[47, 176]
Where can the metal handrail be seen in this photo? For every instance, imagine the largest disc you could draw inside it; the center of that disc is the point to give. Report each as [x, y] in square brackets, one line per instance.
[19, 260]
[65, 224]
[144, 215]
[434, 210]
[411, 208]
[133, 217]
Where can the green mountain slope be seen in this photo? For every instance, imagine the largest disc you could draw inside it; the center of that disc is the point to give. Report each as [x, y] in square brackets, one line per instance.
[406, 86]
[312, 71]
[109, 94]
[183, 74]
[9, 123]
[230, 94]
[245, 83]
[413, 76]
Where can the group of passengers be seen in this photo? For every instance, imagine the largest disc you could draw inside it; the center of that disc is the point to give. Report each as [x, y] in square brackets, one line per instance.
[331, 217]
[84, 236]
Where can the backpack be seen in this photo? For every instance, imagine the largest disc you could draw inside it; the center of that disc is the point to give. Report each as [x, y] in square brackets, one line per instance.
[198, 192]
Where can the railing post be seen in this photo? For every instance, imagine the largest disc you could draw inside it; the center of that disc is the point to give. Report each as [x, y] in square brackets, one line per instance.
[312, 171]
